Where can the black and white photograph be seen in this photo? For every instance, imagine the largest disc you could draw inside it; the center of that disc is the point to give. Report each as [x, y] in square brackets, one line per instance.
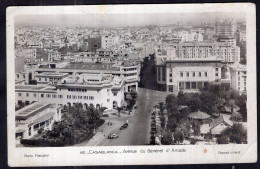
[136, 79]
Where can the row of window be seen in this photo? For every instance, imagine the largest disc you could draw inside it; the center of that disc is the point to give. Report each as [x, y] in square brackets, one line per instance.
[45, 79]
[77, 90]
[80, 97]
[193, 74]
[42, 95]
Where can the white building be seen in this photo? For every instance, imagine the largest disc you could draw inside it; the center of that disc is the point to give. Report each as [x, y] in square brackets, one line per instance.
[225, 27]
[188, 75]
[238, 77]
[30, 119]
[101, 90]
[224, 50]
[108, 41]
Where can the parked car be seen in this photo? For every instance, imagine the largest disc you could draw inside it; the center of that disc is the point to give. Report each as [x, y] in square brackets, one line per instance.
[105, 115]
[112, 136]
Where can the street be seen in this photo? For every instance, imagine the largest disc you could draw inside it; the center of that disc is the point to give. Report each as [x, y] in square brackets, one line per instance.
[138, 130]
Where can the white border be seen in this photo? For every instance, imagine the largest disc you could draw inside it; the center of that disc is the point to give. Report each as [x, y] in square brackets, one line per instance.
[70, 156]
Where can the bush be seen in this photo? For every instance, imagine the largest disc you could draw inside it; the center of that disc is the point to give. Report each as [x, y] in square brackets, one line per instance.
[40, 130]
[193, 141]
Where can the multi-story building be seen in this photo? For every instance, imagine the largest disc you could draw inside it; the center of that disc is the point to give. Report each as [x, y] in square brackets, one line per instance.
[188, 75]
[49, 78]
[127, 70]
[30, 119]
[103, 90]
[225, 27]
[238, 77]
[224, 50]
[108, 41]
[33, 54]
[94, 43]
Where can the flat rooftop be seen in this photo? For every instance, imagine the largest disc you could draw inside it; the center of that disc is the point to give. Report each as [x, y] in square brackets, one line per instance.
[30, 87]
[91, 66]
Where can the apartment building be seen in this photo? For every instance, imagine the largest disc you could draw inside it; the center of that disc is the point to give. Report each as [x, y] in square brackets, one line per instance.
[238, 77]
[225, 50]
[225, 27]
[188, 75]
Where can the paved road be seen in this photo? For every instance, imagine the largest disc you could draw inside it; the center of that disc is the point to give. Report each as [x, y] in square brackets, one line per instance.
[138, 132]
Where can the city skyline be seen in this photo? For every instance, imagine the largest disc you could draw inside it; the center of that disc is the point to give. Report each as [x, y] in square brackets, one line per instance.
[124, 20]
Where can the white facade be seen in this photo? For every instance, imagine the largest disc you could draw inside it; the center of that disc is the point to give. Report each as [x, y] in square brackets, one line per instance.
[34, 117]
[108, 41]
[188, 75]
[226, 51]
[97, 89]
[238, 77]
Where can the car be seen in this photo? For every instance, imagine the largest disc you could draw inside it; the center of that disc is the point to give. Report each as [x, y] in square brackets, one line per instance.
[121, 128]
[112, 136]
[105, 115]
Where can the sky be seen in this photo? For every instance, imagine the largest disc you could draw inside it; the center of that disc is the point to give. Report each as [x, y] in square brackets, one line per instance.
[121, 20]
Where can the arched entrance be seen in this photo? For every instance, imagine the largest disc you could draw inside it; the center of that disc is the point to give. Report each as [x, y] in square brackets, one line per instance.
[85, 106]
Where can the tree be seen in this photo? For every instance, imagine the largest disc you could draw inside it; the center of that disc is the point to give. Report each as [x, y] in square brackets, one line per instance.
[196, 127]
[172, 124]
[133, 99]
[181, 98]
[236, 134]
[178, 136]
[166, 138]
[222, 140]
[171, 104]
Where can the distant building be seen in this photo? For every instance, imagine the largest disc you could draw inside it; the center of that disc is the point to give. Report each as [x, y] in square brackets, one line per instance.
[94, 43]
[188, 75]
[108, 41]
[238, 74]
[32, 54]
[225, 27]
[225, 50]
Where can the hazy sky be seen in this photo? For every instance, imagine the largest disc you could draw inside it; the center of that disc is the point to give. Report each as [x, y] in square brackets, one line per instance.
[117, 20]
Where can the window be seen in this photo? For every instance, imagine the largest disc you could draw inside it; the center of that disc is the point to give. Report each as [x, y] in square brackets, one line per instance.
[170, 80]
[206, 74]
[108, 100]
[54, 96]
[193, 74]
[187, 74]
[216, 74]
[199, 74]
[170, 75]
[40, 79]
[48, 95]
[34, 95]
[60, 96]
[216, 69]
[42, 95]
[19, 94]
[68, 96]
[108, 90]
[79, 97]
[115, 94]
[17, 76]
[170, 88]
[74, 97]
[69, 89]
[86, 97]
[45, 79]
